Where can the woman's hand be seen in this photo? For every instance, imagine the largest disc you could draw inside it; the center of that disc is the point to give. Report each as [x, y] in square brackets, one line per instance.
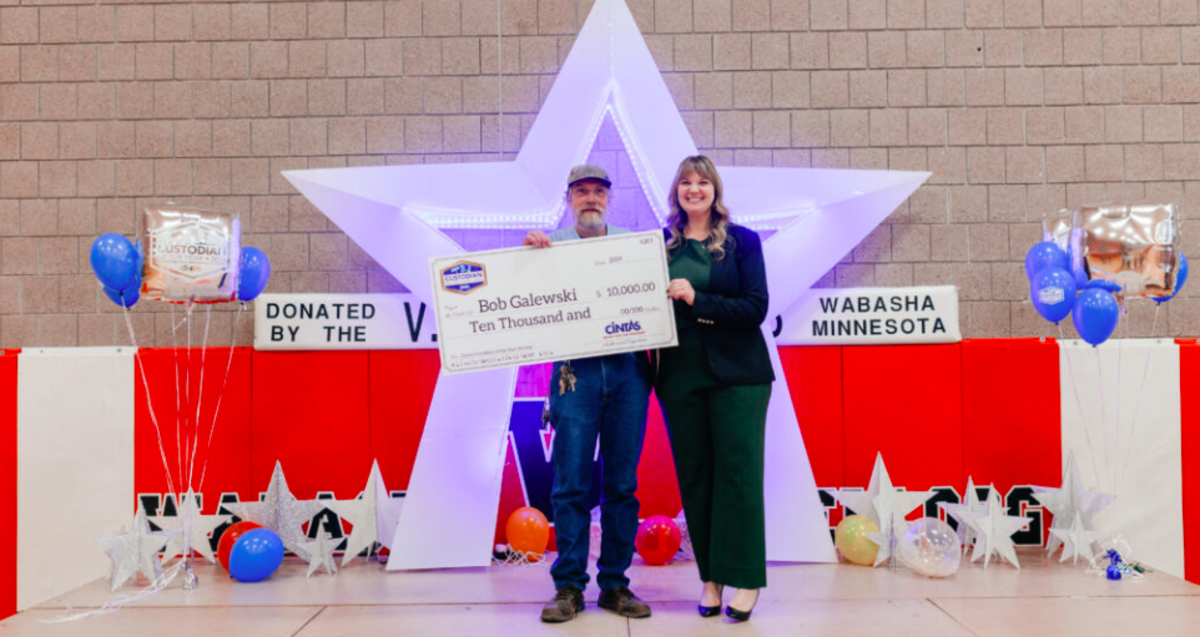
[681, 290]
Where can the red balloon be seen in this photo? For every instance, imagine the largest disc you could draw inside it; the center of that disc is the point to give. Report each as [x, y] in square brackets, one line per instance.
[231, 534]
[658, 540]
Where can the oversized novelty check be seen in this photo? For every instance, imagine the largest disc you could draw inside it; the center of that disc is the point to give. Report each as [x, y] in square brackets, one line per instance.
[575, 299]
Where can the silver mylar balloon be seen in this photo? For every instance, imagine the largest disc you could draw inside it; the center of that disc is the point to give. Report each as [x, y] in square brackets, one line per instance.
[1135, 245]
[192, 254]
[931, 548]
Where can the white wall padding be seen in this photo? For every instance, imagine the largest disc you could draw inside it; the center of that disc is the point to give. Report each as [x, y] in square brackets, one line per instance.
[74, 465]
[1148, 511]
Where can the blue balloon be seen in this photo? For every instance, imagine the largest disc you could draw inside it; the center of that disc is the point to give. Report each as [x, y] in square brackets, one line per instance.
[1102, 284]
[1180, 279]
[123, 298]
[114, 261]
[256, 271]
[255, 556]
[1044, 255]
[1095, 315]
[1053, 293]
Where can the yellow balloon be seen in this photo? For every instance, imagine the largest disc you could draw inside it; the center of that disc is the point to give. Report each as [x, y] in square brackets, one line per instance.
[852, 541]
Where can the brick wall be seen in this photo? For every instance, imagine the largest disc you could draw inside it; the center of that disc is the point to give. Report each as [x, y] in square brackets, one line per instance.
[1016, 106]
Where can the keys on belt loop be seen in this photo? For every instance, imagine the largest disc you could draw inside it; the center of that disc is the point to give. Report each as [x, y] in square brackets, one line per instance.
[566, 378]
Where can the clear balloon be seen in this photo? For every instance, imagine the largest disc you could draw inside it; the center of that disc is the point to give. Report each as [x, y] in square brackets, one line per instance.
[1095, 315]
[114, 261]
[1044, 255]
[852, 541]
[1053, 293]
[930, 547]
[256, 271]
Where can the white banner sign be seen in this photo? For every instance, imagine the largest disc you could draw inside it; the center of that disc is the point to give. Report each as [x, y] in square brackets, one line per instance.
[856, 316]
[871, 316]
[343, 321]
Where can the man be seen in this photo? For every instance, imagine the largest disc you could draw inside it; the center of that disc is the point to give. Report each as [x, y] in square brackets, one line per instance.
[605, 396]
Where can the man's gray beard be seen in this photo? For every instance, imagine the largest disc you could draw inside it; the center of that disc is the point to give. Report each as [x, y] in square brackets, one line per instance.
[590, 220]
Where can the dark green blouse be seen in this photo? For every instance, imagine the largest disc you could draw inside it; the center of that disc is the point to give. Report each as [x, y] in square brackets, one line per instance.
[691, 262]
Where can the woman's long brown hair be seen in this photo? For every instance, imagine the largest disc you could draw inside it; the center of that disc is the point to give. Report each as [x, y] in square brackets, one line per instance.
[718, 217]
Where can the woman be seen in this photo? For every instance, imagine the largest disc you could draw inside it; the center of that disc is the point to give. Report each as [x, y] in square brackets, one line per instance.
[715, 386]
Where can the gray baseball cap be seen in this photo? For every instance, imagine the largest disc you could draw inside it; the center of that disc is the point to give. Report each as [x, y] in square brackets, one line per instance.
[588, 171]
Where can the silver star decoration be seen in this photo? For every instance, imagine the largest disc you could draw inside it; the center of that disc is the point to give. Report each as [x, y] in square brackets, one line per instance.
[136, 551]
[1077, 541]
[198, 528]
[373, 514]
[885, 505]
[1073, 497]
[964, 512]
[280, 512]
[319, 553]
[995, 531]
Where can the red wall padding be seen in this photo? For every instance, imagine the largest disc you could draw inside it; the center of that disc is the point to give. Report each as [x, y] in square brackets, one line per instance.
[401, 388]
[1189, 398]
[8, 482]
[1011, 412]
[228, 458]
[311, 412]
[906, 402]
[814, 377]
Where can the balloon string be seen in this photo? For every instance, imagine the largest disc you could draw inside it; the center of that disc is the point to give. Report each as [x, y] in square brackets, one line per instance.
[199, 395]
[1079, 406]
[1137, 405]
[116, 604]
[221, 395]
[178, 433]
[1122, 334]
[137, 355]
[1104, 429]
[188, 425]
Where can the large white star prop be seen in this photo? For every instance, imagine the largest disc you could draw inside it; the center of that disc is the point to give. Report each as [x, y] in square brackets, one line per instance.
[280, 512]
[373, 514]
[963, 513]
[1073, 497]
[995, 531]
[319, 553]
[1076, 540]
[885, 505]
[394, 212]
[197, 527]
[136, 551]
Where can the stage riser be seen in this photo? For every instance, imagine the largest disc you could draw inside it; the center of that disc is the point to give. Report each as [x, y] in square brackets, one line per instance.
[989, 409]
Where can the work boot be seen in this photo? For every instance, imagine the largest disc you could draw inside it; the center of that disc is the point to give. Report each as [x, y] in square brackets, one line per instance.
[623, 602]
[566, 603]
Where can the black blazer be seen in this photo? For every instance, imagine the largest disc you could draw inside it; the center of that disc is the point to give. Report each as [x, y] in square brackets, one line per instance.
[731, 312]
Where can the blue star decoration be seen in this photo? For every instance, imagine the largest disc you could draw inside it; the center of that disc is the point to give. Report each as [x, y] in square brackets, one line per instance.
[397, 214]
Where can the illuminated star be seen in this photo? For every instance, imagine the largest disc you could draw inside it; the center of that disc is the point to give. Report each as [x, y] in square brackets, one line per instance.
[395, 214]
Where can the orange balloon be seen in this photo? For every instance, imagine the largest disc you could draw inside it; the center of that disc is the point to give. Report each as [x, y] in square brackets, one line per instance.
[231, 534]
[528, 532]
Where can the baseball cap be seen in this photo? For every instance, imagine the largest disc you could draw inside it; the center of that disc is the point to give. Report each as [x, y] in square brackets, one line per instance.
[588, 171]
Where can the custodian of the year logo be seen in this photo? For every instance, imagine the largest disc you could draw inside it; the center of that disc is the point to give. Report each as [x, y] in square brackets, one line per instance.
[464, 276]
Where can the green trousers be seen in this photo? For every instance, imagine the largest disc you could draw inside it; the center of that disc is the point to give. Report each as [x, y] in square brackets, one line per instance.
[717, 434]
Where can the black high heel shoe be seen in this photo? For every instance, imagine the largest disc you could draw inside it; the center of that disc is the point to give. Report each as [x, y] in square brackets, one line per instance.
[712, 611]
[742, 615]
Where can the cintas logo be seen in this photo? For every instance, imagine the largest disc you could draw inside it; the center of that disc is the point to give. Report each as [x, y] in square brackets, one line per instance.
[626, 328]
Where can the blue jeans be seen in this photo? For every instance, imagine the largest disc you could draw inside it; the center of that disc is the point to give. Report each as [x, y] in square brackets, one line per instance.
[609, 401]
